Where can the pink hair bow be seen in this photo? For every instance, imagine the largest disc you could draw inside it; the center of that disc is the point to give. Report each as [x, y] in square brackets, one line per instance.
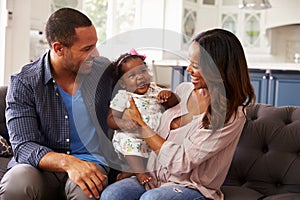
[132, 52]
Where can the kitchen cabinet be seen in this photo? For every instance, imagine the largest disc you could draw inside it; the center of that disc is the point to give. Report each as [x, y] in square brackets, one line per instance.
[259, 81]
[248, 25]
[276, 87]
[183, 21]
[179, 75]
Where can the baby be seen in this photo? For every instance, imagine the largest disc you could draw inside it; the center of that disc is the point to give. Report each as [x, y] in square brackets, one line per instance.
[134, 79]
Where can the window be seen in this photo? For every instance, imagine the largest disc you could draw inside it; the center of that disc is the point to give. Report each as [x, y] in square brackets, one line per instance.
[97, 11]
[111, 17]
[208, 2]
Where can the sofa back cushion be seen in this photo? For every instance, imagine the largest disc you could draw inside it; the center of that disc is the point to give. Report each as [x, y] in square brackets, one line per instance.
[3, 90]
[267, 158]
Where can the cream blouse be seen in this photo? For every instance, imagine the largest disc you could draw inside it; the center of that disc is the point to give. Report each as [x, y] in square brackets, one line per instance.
[192, 156]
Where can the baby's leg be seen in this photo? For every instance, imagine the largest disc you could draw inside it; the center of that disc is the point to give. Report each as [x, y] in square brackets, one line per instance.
[137, 165]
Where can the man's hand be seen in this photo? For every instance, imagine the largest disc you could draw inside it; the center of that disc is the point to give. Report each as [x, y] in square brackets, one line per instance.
[85, 174]
[88, 177]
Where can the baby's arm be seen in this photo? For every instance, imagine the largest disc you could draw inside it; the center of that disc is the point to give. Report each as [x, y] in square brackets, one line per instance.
[167, 98]
[115, 121]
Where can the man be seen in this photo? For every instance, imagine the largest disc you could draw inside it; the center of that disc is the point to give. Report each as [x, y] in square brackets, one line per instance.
[60, 148]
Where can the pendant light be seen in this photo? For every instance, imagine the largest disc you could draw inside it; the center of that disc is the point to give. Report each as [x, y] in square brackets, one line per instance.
[255, 4]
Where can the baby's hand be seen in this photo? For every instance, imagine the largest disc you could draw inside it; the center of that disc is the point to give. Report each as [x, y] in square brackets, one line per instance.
[163, 96]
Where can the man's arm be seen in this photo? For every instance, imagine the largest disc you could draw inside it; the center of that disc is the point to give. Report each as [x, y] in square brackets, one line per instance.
[23, 124]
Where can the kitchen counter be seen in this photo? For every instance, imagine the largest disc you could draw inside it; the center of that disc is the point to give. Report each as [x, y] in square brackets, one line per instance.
[261, 66]
[275, 66]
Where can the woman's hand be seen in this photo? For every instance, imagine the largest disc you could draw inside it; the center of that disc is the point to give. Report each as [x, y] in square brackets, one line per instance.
[151, 137]
[135, 114]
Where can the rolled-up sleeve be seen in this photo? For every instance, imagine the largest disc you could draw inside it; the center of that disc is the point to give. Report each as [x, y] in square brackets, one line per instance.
[21, 117]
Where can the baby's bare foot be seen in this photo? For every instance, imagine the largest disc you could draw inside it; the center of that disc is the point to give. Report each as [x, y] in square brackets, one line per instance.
[143, 178]
[123, 175]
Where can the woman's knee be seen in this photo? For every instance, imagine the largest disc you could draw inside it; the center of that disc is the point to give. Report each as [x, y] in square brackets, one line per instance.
[128, 188]
[112, 192]
[172, 192]
[151, 195]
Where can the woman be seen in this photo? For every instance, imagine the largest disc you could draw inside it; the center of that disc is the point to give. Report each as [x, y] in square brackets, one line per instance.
[196, 139]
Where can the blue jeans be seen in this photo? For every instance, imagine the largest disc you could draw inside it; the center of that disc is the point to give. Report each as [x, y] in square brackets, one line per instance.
[131, 189]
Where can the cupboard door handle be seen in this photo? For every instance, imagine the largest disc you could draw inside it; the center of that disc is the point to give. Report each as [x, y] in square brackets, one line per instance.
[264, 77]
[271, 77]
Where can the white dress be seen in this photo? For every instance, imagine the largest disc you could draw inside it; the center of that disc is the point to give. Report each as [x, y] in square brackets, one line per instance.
[127, 143]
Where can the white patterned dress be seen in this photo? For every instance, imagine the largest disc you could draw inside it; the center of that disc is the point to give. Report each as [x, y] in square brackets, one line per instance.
[127, 143]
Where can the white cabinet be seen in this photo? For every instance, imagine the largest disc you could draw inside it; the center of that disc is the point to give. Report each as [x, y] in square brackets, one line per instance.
[283, 13]
[187, 18]
[208, 15]
[180, 16]
[248, 25]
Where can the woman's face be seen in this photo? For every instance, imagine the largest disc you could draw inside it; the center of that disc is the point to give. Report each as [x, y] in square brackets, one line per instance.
[194, 67]
[136, 77]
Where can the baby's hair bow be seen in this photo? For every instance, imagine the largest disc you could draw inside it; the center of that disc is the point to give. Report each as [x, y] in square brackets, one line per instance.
[132, 52]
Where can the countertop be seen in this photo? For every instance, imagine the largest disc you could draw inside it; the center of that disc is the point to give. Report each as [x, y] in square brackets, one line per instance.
[261, 66]
[275, 66]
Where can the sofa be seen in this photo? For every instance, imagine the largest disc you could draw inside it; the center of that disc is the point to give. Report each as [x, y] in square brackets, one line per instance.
[6, 153]
[266, 164]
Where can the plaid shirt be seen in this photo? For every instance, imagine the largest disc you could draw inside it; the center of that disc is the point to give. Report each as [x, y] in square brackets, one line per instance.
[37, 119]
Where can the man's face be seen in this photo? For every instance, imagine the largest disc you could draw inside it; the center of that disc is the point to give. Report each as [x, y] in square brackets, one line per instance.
[79, 57]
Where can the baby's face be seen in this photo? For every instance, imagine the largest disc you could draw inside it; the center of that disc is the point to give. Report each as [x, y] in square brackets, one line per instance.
[136, 77]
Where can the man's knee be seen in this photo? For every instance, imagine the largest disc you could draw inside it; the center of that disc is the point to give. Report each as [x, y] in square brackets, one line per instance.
[20, 182]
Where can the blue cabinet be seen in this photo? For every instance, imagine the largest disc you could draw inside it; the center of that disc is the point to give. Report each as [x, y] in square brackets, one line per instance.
[179, 75]
[260, 82]
[276, 87]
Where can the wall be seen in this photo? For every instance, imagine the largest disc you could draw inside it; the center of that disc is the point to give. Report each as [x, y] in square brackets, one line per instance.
[16, 45]
[3, 22]
[286, 42]
[32, 14]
